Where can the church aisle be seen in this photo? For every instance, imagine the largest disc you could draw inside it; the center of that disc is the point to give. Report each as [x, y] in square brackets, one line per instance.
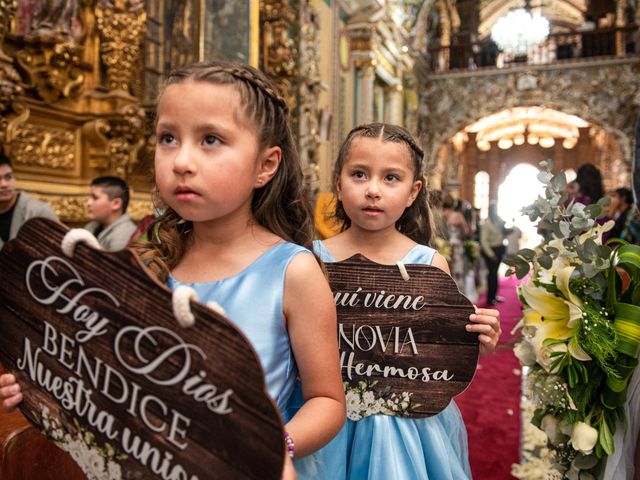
[491, 404]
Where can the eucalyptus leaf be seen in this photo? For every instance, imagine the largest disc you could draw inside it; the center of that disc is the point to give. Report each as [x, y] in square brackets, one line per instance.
[559, 181]
[521, 270]
[545, 177]
[527, 253]
[577, 209]
[588, 270]
[594, 210]
[604, 202]
[590, 247]
[579, 223]
[546, 261]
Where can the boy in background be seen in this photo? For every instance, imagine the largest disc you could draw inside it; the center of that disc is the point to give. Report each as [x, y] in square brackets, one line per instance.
[107, 204]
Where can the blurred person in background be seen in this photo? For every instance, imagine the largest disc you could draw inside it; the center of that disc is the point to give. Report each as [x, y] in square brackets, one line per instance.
[107, 205]
[16, 206]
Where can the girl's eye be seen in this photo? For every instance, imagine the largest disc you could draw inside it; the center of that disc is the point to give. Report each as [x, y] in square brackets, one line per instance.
[358, 174]
[210, 140]
[166, 138]
[391, 177]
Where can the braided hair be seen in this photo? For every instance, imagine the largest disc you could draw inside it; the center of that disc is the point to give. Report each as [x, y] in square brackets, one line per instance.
[416, 221]
[281, 205]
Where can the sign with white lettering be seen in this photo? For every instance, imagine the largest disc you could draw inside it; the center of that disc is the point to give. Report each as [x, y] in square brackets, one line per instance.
[404, 349]
[110, 377]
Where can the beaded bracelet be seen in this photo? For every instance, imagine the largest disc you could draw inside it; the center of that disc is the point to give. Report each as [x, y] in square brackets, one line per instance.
[290, 445]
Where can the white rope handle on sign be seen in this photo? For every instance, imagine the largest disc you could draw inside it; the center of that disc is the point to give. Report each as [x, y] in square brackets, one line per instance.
[182, 297]
[403, 271]
[216, 307]
[76, 235]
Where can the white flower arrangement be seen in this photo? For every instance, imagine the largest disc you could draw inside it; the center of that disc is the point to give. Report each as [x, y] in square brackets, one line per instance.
[580, 328]
[363, 402]
[97, 463]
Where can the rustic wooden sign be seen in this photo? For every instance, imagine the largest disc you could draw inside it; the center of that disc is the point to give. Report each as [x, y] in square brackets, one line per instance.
[404, 350]
[109, 375]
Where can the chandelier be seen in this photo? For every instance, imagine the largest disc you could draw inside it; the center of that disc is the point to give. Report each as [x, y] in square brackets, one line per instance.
[519, 30]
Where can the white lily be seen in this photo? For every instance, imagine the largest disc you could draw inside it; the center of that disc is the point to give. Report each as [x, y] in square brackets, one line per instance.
[563, 278]
[552, 316]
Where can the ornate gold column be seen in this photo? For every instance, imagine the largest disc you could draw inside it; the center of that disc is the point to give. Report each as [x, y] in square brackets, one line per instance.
[310, 88]
[278, 47]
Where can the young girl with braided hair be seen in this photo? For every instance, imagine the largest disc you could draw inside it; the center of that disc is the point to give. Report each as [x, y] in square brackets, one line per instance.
[382, 204]
[237, 229]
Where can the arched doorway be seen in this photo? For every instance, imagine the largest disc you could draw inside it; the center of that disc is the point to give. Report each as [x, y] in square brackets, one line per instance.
[519, 189]
[498, 142]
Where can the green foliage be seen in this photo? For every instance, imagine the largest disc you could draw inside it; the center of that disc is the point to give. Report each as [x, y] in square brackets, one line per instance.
[583, 375]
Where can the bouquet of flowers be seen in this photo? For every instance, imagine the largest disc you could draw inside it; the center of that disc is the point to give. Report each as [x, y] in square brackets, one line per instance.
[471, 251]
[443, 246]
[581, 328]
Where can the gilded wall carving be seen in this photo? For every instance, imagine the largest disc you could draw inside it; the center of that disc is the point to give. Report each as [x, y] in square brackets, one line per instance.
[310, 88]
[69, 208]
[279, 52]
[451, 102]
[44, 146]
[52, 70]
[126, 137]
[122, 25]
[10, 90]
[138, 209]
[7, 12]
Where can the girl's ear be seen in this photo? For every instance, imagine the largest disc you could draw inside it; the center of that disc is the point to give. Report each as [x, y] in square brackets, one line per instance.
[338, 189]
[270, 160]
[415, 190]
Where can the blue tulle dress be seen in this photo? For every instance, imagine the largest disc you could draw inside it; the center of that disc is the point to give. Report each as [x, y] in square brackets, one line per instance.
[381, 447]
[253, 301]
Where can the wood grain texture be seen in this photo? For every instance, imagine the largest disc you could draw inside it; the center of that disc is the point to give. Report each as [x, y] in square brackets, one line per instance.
[246, 443]
[412, 325]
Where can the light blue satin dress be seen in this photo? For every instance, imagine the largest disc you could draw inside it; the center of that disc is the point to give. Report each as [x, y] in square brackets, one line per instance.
[382, 447]
[253, 301]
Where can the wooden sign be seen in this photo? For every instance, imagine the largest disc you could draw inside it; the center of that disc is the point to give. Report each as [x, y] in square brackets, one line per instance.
[404, 349]
[109, 375]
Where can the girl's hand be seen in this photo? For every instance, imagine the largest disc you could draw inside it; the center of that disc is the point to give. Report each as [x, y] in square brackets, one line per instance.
[487, 324]
[289, 473]
[9, 393]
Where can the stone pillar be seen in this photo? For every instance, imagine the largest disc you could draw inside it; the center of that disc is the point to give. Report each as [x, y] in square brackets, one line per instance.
[494, 172]
[393, 109]
[366, 80]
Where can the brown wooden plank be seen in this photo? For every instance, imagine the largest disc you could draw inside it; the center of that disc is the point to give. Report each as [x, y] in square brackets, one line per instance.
[246, 443]
[406, 336]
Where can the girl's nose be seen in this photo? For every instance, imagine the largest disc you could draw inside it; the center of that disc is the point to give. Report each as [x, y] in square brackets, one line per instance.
[183, 163]
[372, 190]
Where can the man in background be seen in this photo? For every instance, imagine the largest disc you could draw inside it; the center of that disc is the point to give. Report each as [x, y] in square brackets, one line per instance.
[107, 204]
[16, 206]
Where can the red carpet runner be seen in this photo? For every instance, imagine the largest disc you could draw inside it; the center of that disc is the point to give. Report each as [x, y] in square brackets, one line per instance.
[491, 404]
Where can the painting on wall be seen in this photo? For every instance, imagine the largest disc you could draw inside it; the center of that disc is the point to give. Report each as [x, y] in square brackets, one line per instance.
[52, 18]
[227, 30]
[181, 35]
